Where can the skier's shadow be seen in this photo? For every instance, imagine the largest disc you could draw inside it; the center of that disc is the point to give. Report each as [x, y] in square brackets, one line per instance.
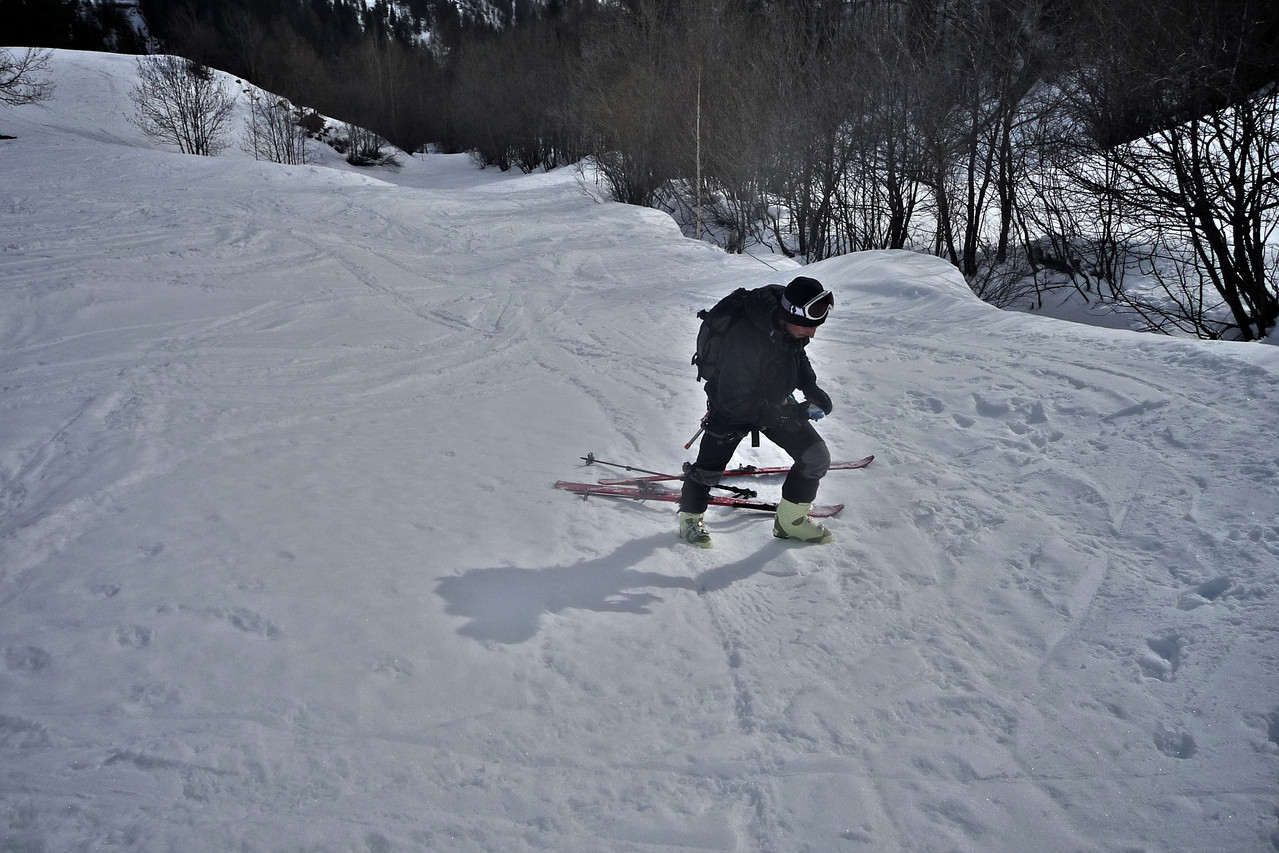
[506, 604]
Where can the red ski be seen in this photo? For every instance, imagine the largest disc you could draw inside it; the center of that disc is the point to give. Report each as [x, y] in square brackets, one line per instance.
[743, 471]
[645, 491]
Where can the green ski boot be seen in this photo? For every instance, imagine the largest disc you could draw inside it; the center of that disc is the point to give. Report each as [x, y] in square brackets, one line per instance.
[692, 530]
[792, 522]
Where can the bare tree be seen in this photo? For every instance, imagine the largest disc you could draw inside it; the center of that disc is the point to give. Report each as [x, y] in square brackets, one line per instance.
[884, 187]
[974, 67]
[19, 77]
[182, 103]
[365, 147]
[628, 110]
[1203, 197]
[1190, 139]
[273, 132]
[1070, 232]
[509, 97]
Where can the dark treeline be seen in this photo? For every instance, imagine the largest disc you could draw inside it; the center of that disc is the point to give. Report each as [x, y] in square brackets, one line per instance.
[363, 64]
[369, 64]
[1090, 139]
[69, 24]
[463, 75]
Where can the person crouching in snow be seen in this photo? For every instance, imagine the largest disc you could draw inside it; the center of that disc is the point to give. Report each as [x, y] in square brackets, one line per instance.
[759, 360]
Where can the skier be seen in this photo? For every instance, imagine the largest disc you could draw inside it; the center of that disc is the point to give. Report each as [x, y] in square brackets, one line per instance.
[758, 361]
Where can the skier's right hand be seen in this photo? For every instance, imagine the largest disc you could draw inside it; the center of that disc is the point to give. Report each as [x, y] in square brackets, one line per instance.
[795, 410]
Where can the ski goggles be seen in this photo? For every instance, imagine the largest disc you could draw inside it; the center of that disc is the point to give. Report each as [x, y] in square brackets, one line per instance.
[814, 309]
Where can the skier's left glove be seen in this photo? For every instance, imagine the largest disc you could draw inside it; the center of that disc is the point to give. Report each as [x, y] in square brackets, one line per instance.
[818, 398]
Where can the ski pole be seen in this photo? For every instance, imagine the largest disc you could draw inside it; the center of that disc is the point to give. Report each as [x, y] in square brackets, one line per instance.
[590, 459]
[701, 429]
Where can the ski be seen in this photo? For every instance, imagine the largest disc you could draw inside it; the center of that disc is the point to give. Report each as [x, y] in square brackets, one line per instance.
[646, 492]
[743, 471]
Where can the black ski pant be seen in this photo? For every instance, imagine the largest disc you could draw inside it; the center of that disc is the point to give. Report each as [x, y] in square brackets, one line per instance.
[794, 435]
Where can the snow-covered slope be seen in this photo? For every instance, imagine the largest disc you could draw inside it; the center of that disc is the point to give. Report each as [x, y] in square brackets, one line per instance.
[281, 568]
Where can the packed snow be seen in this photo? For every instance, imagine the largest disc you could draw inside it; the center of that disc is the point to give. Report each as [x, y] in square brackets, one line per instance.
[282, 567]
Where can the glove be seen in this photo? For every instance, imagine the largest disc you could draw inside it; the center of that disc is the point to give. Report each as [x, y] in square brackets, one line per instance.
[792, 409]
[819, 398]
[800, 412]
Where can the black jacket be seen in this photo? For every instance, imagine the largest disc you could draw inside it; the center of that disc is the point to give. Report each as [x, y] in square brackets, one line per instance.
[760, 365]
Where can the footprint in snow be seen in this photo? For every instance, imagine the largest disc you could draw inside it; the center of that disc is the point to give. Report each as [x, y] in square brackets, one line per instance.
[1175, 743]
[1163, 657]
[133, 636]
[27, 658]
[1205, 593]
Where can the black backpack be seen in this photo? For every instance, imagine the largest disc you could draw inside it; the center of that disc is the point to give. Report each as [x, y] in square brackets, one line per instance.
[715, 323]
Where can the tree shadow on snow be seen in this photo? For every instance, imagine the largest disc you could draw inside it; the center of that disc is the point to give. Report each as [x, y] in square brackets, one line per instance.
[505, 604]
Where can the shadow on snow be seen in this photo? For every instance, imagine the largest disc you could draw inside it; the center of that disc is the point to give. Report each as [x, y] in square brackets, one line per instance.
[506, 604]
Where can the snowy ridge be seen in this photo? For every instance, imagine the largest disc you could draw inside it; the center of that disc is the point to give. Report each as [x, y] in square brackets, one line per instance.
[281, 567]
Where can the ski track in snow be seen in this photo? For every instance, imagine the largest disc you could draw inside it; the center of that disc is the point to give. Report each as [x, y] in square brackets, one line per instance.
[250, 418]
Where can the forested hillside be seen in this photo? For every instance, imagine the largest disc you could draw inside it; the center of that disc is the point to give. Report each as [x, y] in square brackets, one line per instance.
[1125, 150]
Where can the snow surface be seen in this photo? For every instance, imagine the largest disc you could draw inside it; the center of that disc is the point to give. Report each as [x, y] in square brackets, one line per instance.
[281, 567]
